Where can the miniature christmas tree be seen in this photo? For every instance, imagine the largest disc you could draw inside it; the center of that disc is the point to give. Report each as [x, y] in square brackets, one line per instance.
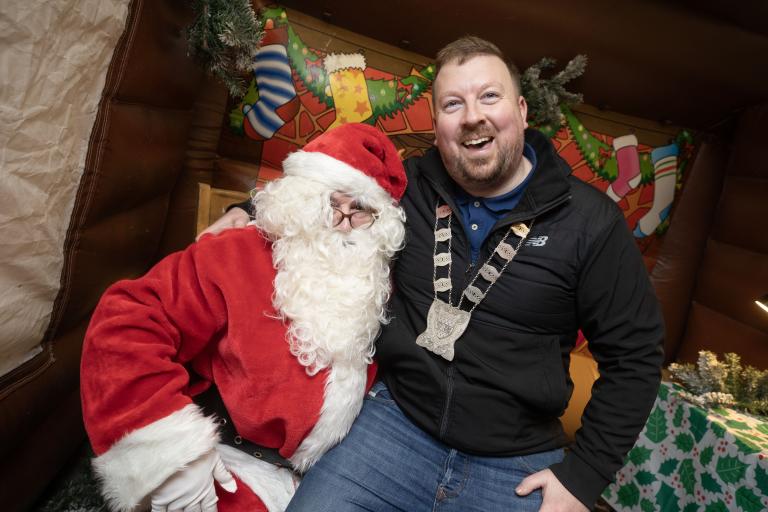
[711, 382]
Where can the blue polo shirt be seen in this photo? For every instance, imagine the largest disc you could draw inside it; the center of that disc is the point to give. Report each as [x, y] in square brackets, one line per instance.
[479, 214]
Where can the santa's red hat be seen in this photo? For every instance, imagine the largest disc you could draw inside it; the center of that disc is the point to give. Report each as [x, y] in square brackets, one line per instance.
[353, 157]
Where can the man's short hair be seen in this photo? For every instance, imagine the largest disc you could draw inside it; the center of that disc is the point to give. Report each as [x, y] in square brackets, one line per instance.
[464, 48]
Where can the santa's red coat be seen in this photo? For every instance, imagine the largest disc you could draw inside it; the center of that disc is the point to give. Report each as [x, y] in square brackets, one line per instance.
[202, 316]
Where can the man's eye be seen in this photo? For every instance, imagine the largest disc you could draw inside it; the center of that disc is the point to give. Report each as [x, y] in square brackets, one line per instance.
[450, 105]
[490, 95]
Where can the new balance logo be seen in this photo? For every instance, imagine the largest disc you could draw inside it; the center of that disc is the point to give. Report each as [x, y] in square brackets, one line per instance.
[537, 241]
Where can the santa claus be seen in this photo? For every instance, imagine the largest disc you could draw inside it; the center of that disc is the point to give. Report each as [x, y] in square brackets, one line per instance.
[276, 321]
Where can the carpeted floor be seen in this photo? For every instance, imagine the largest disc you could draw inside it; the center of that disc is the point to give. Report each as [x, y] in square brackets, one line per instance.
[74, 490]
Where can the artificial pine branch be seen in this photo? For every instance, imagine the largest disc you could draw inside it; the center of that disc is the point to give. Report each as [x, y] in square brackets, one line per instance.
[545, 95]
[711, 383]
[225, 37]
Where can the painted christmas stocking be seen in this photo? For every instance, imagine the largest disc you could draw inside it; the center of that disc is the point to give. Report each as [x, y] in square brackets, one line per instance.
[273, 78]
[348, 87]
[628, 162]
[664, 178]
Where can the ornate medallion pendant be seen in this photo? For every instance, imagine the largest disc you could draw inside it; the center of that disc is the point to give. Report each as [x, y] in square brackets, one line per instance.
[445, 324]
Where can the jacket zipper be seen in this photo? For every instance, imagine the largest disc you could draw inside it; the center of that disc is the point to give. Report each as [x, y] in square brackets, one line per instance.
[447, 407]
[507, 222]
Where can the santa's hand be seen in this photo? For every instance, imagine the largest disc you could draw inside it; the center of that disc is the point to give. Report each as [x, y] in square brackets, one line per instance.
[234, 218]
[192, 489]
[556, 497]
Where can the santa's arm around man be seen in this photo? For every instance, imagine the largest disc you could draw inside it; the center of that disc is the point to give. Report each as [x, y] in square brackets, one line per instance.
[280, 318]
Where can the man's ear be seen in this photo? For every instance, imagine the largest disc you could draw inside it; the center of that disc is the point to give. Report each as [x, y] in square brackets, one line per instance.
[523, 106]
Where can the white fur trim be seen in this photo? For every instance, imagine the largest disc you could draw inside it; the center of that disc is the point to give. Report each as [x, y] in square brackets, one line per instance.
[336, 175]
[142, 460]
[273, 485]
[335, 61]
[624, 141]
[344, 392]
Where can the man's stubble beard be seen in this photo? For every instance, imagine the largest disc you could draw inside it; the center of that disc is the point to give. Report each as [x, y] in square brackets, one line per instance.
[508, 160]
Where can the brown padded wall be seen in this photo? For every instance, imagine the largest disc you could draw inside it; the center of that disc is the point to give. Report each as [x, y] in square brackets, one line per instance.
[156, 69]
[675, 272]
[139, 163]
[208, 117]
[116, 247]
[141, 143]
[743, 211]
[734, 270]
[18, 418]
[140, 130]
[709, 329]
[134, 159]
[41, 425]
[731, 277]
[748, 156]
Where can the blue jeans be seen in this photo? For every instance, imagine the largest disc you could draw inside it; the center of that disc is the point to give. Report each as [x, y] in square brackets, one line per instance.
[386, 463]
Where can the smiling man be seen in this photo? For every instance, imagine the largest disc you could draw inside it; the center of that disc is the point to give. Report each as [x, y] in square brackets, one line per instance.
[475, 363]
[507, 257]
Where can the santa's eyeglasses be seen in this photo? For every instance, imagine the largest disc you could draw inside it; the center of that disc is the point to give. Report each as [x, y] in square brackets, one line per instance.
[358, 219]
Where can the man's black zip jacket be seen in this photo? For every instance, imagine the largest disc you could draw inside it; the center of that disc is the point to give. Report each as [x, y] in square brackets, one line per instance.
[508, 383]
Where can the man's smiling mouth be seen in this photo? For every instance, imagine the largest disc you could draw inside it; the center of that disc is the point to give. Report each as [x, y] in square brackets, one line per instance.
[477, 143]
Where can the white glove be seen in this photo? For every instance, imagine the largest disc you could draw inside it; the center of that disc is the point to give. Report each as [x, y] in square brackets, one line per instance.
[191, 489]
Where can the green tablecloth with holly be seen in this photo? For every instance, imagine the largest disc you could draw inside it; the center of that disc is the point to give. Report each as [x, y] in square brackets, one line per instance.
[688, 459]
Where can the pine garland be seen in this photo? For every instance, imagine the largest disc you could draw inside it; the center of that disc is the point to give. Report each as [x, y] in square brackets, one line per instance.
[546, 95]
[714, 383]
[224, 38]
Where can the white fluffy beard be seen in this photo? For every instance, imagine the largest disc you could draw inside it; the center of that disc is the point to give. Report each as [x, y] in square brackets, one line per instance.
[332, 287]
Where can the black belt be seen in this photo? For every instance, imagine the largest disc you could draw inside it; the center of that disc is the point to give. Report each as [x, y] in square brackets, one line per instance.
[212, 404]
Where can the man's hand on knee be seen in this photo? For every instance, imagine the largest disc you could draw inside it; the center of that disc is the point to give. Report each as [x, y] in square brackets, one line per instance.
[556, 498]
